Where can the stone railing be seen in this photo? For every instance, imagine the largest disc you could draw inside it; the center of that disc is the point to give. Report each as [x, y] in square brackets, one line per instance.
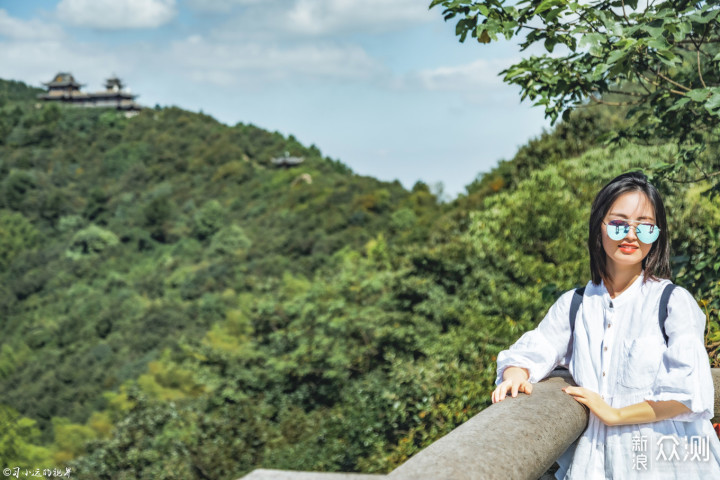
[518, 438]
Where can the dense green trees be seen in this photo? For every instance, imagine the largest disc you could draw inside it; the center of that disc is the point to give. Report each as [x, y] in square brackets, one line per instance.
[18, 441]
[123, 238]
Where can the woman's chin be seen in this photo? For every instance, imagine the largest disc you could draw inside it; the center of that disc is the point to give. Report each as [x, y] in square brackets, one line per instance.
[627, 260]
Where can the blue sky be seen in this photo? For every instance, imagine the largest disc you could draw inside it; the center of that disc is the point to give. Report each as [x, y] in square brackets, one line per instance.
[381, 85]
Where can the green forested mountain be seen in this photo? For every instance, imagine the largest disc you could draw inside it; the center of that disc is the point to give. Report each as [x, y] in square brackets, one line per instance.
[175, 307]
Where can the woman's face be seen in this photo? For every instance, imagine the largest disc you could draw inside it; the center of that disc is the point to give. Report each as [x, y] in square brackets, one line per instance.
[634, 207]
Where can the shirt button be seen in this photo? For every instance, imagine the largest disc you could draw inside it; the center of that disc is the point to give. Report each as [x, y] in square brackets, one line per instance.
[605, 348]
[603, 374]
[609, 325]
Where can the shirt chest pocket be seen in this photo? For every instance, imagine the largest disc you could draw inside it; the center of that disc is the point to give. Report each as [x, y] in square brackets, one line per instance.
[640, 362]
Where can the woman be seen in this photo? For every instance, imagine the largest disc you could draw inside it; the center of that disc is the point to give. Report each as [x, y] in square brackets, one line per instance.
[648, 386]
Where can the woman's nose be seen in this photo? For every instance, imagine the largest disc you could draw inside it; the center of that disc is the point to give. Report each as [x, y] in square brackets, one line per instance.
[631, 233]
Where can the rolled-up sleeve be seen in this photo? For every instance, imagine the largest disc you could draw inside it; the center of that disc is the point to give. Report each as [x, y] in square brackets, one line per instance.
[684, 374]
[542, 349]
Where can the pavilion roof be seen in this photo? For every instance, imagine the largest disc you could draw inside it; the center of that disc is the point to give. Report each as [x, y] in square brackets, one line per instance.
[287, 160]
[112, 94]
[114, 82]
[63, 79]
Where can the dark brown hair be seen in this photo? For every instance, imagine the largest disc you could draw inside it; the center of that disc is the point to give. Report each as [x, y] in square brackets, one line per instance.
[657, 262]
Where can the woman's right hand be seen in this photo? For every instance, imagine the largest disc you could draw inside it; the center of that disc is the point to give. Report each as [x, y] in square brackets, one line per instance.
[515, 379]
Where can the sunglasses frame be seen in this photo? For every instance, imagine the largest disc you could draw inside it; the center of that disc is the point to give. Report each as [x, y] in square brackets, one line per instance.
[634, 224]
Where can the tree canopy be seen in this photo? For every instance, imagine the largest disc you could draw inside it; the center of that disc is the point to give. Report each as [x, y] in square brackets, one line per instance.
[659, 59]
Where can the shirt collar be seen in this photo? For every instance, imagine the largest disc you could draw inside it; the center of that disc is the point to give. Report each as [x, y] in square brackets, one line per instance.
[625, 296]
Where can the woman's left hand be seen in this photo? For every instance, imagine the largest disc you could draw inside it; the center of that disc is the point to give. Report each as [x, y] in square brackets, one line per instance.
[607, 414]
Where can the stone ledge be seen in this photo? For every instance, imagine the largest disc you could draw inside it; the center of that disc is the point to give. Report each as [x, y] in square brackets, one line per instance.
[268, 474]
[518, 438]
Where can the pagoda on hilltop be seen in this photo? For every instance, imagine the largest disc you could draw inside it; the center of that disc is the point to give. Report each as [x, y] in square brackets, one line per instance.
[287, 161]
[62, 86]
[64, 89]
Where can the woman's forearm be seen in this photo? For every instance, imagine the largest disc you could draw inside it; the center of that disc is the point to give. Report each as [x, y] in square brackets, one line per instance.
[648, 411]
[643, 412]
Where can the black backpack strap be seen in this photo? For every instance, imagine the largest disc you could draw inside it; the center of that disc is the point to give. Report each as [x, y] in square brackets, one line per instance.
[663, 311]
[575, 306]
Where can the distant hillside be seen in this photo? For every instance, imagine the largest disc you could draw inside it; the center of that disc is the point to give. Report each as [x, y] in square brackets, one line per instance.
[122, 235]
[13, 91]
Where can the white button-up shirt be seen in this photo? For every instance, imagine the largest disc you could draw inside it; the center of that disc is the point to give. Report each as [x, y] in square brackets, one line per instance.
[618, 350]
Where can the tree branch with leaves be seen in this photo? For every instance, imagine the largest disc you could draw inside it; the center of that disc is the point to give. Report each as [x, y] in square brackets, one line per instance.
[659, 58]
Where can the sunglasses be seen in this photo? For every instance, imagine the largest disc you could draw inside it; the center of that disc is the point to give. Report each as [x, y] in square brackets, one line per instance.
[646, 232]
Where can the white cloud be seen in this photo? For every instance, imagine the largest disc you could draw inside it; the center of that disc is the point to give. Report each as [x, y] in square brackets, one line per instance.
[480, 74]
[116, 14]
[228, 64]
[38, 61]
[27, 30]
[220, 6]
[292, 19]
[322, 17]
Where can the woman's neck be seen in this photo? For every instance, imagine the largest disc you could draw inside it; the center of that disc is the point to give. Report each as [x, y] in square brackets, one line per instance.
[621, 278]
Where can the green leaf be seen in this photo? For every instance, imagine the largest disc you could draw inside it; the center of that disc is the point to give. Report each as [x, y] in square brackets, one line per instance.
[682, 30]
[668, 58]
[713, 103]
[679, 104]
[616, 55]
[705, 17]
[654, 28]
[550, 43]
[698, 95]
[545, 5]
[600, 69]
[483, 36]
[591, 39]
[659, 44]
[596, 51]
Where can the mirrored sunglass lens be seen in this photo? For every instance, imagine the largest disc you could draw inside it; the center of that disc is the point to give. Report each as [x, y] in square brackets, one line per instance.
[617, 230]
[647, 233]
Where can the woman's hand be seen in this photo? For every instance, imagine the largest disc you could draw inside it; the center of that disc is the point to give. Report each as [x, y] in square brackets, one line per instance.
[607, 414]
[515, 379]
